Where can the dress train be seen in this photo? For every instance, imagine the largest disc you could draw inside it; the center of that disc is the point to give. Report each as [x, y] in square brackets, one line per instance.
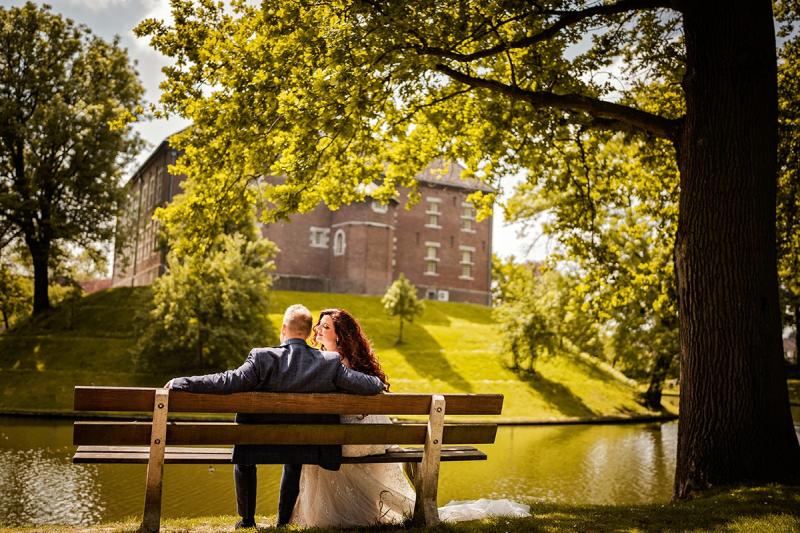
[376, 493]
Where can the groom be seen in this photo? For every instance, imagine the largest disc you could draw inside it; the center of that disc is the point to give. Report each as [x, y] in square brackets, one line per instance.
[291, 367]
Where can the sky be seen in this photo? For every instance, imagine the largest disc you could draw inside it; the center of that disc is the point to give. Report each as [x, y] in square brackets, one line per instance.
[107, 18]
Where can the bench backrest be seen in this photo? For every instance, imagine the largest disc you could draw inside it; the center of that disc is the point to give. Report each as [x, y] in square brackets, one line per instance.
[128, 399]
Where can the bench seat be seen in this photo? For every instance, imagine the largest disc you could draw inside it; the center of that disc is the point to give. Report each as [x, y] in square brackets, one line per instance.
[194, 455]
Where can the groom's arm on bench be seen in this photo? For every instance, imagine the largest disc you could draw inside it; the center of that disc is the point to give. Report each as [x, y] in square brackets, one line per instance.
[242, 379]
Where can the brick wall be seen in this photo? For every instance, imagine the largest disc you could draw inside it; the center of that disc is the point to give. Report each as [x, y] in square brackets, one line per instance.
[437, 243]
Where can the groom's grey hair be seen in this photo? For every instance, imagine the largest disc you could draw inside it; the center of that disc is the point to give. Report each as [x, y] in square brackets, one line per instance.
[297, 319]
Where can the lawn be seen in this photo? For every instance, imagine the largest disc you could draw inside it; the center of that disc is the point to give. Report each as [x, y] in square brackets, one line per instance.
[453, 347]
[754, 509]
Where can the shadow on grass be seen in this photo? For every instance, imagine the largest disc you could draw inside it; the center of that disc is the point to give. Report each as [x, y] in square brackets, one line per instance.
[556, 394]
[425, 356]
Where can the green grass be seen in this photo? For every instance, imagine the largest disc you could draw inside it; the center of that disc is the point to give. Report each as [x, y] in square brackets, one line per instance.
[754, 509]
[453, 347]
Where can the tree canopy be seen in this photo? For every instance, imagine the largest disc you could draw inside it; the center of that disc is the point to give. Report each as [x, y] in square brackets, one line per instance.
[340, 94]
[210, 307]
[67, 99]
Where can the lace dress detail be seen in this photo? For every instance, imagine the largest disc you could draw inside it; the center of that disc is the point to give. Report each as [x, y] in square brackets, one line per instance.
[356, 494]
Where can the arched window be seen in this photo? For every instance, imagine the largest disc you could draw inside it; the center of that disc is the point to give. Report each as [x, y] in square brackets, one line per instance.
[339, 242]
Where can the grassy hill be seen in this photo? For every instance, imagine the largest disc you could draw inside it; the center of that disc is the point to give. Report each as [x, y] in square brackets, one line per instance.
[452, 348]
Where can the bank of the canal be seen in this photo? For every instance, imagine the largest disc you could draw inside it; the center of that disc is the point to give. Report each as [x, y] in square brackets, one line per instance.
[748, 509]
[452, 348]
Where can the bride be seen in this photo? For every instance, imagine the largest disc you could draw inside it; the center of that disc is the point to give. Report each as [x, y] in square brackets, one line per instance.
[370, 493]
[356, 494]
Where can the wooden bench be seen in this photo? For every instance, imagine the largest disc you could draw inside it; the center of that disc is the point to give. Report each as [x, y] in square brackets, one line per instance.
[156, 440]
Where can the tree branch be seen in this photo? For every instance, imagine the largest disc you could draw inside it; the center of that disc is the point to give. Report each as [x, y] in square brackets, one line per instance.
[607, 115]
[566, 19]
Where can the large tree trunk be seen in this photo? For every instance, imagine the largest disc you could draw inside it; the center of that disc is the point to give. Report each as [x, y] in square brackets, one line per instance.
[40, 256]
[735, 422]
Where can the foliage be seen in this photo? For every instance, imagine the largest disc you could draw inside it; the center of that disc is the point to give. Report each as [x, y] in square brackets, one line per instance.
[788, 208]
[401, 301]
[348, 93]
[66, 104]
[611, 204]
[209, 308]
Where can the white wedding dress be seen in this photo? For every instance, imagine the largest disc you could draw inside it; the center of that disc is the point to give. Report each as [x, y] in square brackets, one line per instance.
[375, 493]
[357, 494]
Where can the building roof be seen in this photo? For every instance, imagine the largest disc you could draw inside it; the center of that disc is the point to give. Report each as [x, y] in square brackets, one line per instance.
[441, 173]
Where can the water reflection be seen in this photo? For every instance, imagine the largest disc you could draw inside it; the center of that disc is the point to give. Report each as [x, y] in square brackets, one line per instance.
[571, 464]
[587, 464]
[37, 485]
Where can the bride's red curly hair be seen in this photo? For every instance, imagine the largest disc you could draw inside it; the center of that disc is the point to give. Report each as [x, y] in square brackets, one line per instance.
[353, 344]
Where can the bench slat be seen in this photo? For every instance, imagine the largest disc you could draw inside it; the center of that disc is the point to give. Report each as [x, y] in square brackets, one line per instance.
[141, 399]
[189, 455]
[210, 433]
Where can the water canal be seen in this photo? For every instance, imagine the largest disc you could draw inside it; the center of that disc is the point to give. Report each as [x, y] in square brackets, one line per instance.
[603, 464]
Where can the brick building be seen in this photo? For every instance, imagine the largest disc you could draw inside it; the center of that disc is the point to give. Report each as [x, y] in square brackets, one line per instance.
[361, 248]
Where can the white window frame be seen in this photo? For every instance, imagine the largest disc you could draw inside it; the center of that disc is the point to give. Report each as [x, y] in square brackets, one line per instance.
[379, 207]
[433, 212]
[432, 261]
[467, 262]
[467, 217]
[339, 242]
[319, 237]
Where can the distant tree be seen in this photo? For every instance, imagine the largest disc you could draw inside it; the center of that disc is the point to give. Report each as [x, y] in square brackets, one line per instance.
[15, 295]
[401, 301]
[66, 102]
[526, 324]
[210, 307]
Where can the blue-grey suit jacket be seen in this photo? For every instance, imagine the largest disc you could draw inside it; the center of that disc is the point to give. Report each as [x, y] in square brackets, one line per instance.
[291, 367]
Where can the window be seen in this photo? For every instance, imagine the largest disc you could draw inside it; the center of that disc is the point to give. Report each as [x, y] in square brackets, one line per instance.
[155, 236]
[467, 217]
[443, 296]
[432, 258]
[467, 255]
[319, 237]
[339, 242]
[379, 207]
[433, 212]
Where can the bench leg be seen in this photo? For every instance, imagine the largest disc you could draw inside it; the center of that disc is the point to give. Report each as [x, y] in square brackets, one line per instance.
[426, 480]
[151, 519]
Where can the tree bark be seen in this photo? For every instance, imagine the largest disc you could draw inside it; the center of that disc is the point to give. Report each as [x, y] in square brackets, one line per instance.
[735, 422]
[40, 256]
